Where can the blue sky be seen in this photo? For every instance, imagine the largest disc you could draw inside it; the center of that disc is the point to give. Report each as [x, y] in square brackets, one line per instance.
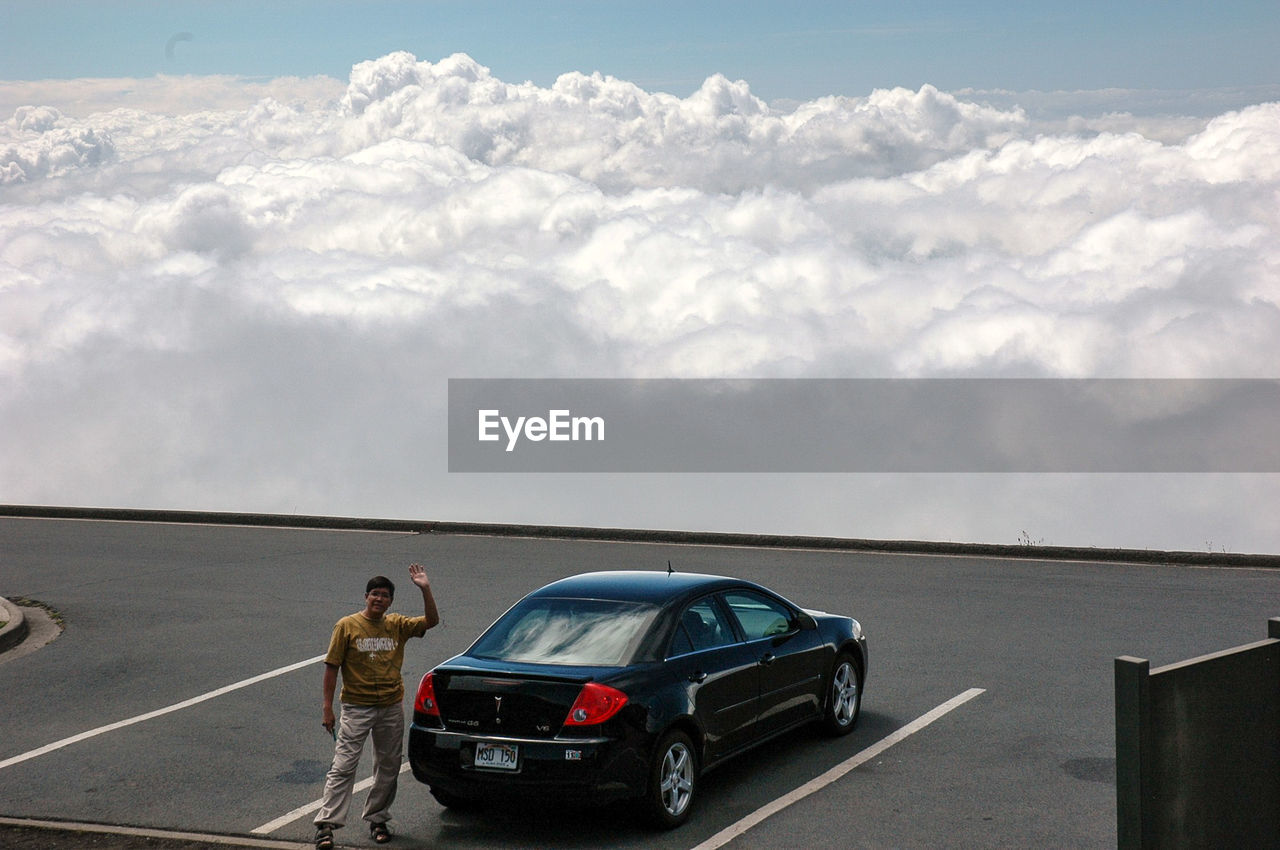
[794, 50]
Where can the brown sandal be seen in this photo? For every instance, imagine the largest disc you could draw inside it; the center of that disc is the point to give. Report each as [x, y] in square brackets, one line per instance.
[324, 837]
[379, 833]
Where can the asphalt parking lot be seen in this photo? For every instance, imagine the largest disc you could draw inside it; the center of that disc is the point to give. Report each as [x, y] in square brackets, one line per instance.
[227, 624]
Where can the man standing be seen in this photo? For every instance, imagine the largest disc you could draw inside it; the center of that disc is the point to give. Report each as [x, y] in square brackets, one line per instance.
[368, 648]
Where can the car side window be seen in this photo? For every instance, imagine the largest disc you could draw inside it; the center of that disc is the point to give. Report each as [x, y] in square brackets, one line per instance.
[758, 615]
[702, 626]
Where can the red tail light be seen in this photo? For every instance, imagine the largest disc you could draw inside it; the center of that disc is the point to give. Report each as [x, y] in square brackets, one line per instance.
[596, 703]
[425, 702]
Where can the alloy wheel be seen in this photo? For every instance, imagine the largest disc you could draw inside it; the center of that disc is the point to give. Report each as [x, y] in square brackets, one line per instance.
[676, 780]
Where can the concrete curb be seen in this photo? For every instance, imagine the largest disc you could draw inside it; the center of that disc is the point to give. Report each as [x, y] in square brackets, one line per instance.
[15, 629]
[910, 547]
[198, 838]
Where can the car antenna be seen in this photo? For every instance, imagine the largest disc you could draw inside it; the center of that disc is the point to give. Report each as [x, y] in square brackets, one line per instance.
[670, 570]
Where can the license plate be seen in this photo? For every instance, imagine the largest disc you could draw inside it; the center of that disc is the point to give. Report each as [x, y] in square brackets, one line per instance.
[497, 756]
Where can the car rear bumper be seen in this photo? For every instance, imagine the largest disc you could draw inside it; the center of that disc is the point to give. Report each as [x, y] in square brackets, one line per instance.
[569, 769]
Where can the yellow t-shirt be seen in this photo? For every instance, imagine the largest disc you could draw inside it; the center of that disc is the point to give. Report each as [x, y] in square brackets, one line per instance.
[369, 653]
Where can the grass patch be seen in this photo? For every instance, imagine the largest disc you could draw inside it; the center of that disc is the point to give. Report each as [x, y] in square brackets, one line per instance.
[54, 613]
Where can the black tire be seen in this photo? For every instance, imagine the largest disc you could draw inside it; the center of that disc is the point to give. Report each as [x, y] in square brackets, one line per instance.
[673, 781]
[844, 696]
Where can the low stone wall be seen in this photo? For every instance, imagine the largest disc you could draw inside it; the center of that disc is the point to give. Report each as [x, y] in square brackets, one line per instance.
[709, 538]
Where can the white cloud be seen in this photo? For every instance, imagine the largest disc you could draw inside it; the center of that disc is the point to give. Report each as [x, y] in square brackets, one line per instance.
[164, 94]
[1169, 116]
[230, 294]
[39, 147]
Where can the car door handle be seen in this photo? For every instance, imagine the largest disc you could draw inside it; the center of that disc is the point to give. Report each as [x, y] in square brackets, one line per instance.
[767, 659]
[697, 677]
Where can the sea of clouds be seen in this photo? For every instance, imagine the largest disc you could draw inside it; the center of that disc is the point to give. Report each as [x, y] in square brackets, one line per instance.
[246, 295]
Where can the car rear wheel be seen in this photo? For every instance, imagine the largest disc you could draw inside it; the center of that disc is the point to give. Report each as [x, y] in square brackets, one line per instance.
[844, 699]
[673, 781]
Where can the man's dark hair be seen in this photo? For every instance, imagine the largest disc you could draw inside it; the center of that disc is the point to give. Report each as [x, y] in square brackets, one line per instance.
[381, 581]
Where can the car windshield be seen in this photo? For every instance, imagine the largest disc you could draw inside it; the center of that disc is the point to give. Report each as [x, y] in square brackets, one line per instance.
[582, 632]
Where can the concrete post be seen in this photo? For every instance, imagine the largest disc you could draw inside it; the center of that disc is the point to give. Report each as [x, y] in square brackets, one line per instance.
[1133, 709]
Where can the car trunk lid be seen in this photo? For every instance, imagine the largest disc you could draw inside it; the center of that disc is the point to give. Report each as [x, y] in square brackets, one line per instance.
[509, 704]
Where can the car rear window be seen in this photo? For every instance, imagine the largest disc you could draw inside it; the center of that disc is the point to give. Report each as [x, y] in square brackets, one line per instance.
[580, 632]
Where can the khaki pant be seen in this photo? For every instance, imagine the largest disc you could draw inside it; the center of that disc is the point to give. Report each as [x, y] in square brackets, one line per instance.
[385, 724]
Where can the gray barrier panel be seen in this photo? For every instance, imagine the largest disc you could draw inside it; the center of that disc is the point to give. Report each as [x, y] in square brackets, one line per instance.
[1198, 749]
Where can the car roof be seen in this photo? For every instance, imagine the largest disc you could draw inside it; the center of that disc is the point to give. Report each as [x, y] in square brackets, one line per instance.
[639, 585]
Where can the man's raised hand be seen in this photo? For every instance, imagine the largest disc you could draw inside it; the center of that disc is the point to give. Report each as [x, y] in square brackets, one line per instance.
[418, 575]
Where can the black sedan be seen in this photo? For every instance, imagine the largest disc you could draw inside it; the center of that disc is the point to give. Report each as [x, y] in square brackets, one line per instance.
[630, 685]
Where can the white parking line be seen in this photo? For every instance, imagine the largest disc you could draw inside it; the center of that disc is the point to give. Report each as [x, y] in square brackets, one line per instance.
[290, 817]
[120, 724]
[732, 831]
[729, 833]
